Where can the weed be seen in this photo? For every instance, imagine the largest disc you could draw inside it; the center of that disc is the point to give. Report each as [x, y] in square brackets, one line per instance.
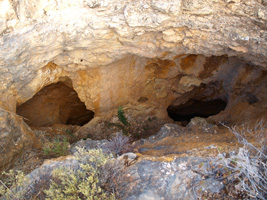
[58, 147]
[71, 134]
[120, 144]
[121, 117]
[249, 165]
[244, 174]
[124, 125]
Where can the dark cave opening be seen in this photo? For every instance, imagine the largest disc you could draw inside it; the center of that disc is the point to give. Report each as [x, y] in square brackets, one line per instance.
[195, 108]
[57, 103]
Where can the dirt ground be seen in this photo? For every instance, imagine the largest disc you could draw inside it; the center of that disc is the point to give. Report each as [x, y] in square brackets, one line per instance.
[194, 143]
[189, 143]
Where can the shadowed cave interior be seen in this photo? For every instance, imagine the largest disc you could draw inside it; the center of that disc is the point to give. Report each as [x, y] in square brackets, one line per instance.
[57, 103]
[195, 108]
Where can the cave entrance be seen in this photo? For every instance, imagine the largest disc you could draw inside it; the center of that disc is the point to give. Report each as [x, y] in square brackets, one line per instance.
[57, 103]
[195, 108]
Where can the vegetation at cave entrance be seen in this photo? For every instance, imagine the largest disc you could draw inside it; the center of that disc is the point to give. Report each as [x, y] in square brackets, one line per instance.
[58, 147]
[122, 117]
[81, 183]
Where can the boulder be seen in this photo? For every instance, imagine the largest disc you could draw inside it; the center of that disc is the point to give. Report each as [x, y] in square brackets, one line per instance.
[15, 138]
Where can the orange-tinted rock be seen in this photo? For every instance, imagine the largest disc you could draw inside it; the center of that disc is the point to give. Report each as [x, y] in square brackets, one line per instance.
[15, 138]
[211, 64]
[188, 62]
[55, 104]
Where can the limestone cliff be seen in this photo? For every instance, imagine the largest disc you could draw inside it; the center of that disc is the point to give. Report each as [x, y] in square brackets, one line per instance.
[146, 55]
[87, 39]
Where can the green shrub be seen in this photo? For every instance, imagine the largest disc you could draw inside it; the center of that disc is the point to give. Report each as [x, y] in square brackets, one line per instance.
[14, 185]
[124, 125]
[121, 117]
[58, 147]
[67, 183]
[82, 183]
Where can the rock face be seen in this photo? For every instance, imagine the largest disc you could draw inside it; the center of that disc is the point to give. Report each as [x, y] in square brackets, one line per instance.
[107, 47]
[15, 137]
[57, 103]
[145, 55]
[166, 180]
[144, 180]
[145, 176]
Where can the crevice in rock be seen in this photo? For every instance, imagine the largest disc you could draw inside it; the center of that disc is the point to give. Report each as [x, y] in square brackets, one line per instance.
[203, 101]
[57, 103]
[195, 108]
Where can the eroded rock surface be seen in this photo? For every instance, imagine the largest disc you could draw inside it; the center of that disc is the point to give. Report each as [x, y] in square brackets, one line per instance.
[146, 179]
[15, 138]
[166, 180]
[187, 168]
[144, 55]
[106, 47]
[55, 104]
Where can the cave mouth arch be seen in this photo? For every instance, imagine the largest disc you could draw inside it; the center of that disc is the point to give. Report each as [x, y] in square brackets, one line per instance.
[195, 108]
[57, 103]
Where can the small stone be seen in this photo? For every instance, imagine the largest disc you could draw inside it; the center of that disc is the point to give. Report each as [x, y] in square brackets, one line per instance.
[262, 14]
[198, 123]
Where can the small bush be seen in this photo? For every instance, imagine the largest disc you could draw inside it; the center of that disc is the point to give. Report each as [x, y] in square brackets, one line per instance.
[244, 174]
[58, 147]
[248, 168]
[123, 124]
[120, 144]
[14, 186]
[114, 177]
[82, 183]
[121, 117]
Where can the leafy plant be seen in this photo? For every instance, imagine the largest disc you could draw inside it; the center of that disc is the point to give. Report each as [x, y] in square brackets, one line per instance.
[122, 117]
[124, 126]
[58, 147]
[82, 183]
